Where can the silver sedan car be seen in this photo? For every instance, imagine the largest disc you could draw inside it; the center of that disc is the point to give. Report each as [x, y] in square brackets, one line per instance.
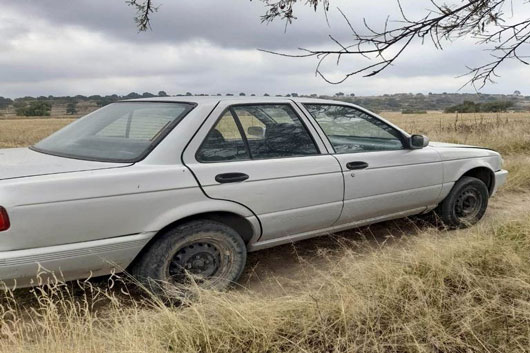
[173, 188]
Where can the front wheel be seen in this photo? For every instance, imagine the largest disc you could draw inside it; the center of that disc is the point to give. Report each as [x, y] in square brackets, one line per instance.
[465, 205]
[209, 253]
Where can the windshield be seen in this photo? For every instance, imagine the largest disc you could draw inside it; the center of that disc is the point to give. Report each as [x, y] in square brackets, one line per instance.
[119, 132]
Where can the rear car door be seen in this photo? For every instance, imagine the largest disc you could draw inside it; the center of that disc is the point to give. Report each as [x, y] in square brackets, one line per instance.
[382, 178]
[267, 157]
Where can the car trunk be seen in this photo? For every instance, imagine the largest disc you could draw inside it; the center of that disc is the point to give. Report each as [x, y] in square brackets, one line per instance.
[24, 162]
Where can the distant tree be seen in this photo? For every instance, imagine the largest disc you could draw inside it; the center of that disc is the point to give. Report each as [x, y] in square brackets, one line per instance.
[253, 95]
[71, 108]
[488, 107]
[147, 95]
[339, 94]
[132, 95]
[229, 94]
[242, 94]
[34, 108]
[266, 95]
[5, 102]
[103, 101]
[517, 93]
[189, 94]
[218, 94]
[352, 94]
[162, 94]
[294, 95]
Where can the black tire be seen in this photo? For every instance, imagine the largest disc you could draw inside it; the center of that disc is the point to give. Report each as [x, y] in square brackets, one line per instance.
[465, 205]
[211, 253]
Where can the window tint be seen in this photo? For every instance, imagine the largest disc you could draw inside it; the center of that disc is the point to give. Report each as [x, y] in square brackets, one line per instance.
[224, 142]
[142, 124]
[351, 130]
[120, 132]
[270, 131]
[274, 131]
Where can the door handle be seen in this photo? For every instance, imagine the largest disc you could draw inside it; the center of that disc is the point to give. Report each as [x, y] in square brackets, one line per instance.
[231, 177]
[356, 165]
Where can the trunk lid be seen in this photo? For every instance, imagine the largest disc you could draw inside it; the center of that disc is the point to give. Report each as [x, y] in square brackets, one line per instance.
[24, 162]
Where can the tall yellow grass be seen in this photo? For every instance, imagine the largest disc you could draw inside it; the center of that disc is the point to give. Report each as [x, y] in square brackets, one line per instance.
[464, 291]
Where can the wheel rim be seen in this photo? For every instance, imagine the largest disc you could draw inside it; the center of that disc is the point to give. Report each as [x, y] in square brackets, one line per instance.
[468, 204]
[201, 260]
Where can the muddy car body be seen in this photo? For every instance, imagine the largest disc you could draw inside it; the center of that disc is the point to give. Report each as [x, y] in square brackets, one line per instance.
[167, 186]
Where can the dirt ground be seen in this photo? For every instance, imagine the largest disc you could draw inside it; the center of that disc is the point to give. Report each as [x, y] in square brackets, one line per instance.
[282, 269]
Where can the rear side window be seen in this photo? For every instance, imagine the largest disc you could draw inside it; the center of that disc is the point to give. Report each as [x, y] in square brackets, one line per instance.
[224, 142]
[262, 132]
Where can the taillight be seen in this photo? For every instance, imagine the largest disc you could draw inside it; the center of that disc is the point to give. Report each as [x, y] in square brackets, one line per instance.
[4, 220]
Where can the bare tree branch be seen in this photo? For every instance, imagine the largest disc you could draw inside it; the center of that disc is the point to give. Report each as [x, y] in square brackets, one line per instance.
[482, 20]
[144, 9]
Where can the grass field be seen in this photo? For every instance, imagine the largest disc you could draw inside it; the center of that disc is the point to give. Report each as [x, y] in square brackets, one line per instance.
[396, 287]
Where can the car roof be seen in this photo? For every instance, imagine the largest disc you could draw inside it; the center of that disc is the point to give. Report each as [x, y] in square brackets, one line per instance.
[239, 99]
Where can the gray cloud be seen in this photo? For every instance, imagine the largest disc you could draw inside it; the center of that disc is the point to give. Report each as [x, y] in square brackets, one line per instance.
[205, 46]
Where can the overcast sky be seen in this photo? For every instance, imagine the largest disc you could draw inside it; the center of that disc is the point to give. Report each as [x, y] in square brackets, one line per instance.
[69, 47]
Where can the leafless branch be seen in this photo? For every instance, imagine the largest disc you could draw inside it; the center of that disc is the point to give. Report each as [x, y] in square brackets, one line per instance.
[144, 10]
[482, 20]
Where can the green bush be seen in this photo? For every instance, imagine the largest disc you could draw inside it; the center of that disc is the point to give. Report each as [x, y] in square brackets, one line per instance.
[488, 107]
[35, 108]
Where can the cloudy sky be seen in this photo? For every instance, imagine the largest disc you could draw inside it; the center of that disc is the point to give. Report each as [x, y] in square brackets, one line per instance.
[69, 47]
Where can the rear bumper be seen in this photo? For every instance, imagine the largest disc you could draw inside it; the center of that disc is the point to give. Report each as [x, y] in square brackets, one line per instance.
[500, 180]
[23, 268]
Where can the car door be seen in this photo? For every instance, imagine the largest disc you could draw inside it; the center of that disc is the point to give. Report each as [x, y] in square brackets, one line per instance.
[268, 158]
[382, 177]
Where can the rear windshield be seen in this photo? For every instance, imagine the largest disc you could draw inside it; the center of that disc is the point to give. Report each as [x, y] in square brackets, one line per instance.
[119, 132]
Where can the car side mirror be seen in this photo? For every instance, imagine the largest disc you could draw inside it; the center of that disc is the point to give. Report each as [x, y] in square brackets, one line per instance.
[418, 141]
[257, 131]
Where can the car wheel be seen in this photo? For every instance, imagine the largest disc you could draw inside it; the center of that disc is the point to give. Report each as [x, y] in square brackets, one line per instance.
[206, 252]
[466, 203]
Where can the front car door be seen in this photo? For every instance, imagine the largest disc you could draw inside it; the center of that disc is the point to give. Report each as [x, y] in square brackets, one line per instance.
[383, 179]
[267, 157]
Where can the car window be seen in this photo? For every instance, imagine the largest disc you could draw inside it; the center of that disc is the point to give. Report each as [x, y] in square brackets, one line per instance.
[144, 124]
[119, 132]
[351, 130]
[224, 142]
[276, 131]
[269, 131]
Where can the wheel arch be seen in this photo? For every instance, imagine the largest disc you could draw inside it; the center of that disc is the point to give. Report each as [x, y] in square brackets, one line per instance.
[482, 173]
[480, 168]
[248, 227]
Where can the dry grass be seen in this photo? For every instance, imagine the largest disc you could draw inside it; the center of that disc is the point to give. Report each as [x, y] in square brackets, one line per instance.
[437, 291]
[465, 291]
[25, 132]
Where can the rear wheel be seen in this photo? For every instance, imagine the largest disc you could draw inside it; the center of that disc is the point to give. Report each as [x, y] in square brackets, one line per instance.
[466, 203]
[205, 252]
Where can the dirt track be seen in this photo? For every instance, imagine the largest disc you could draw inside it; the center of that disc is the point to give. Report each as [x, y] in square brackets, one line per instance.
[281, 269]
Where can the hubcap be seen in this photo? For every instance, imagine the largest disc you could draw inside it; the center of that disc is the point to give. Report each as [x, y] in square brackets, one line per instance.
[201, 260]
[468, 204]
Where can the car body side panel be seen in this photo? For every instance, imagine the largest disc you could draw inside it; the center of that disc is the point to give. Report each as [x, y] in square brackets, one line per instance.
[394, 181]
[95, 205]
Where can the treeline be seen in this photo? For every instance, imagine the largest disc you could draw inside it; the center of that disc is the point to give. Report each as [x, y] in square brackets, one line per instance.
[404, 102]
[42, 106]
[472, 107]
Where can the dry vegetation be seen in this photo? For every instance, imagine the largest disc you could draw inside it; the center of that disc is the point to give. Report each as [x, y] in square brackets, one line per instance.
[409, 288]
